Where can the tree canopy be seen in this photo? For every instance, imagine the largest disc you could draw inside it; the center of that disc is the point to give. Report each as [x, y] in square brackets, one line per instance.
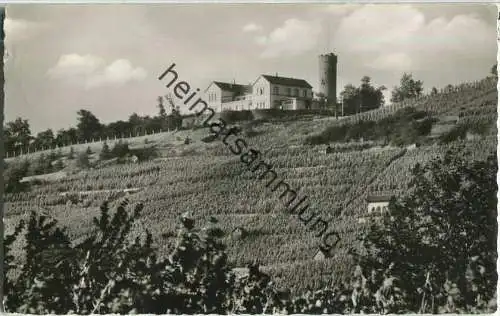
[88, 126]
[363, 98]
[439, 241]
[17, 134]
[409, 88]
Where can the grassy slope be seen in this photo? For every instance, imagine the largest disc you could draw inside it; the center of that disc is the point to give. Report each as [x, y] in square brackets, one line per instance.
[208, 180]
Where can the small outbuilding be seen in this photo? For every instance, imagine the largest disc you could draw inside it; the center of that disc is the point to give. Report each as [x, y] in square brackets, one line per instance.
[378, 205]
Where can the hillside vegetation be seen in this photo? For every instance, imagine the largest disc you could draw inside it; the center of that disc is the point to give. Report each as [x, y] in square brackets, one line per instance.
[207, 180]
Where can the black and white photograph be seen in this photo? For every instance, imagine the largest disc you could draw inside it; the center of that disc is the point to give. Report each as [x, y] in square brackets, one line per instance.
[249, 158]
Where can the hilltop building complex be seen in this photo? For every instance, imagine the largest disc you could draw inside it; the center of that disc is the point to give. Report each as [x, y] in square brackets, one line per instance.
[274, 92]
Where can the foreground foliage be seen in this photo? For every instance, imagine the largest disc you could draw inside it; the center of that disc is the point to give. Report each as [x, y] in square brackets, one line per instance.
[439, 242]
[434, 253]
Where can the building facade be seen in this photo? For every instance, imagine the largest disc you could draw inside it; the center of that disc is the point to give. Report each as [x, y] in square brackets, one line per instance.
[378, 206]
[267, 92]
[223, 96]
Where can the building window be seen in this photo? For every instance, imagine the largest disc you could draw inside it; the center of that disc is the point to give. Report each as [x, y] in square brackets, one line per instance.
[276, 90]
[305, 93]
[296, 92]
[261, 91]
[288, 91]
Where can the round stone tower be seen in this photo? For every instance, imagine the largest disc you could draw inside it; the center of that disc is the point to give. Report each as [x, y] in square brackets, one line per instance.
[328, 77]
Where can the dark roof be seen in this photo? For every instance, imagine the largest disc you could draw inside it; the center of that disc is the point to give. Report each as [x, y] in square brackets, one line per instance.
[287, 81]
[233, 87]
[378, 198]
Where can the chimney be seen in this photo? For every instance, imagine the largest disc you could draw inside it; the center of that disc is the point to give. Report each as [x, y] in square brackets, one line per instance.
[276, 75]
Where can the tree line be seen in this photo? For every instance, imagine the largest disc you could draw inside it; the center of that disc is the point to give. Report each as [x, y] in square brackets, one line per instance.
[18, 135]
[367, 97]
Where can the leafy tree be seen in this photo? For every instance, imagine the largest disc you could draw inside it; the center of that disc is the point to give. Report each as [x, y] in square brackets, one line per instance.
[408, 89]
[38, 289]
[350, 99]
[45, 139]
[438, 245]
[434, 91]
[88, 126]
[363, 98]
[17, 134]
[66, 137]
[370, 97]
[105, 273]
[118, 128]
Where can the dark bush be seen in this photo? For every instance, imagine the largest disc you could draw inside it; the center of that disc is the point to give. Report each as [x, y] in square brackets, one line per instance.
[82, 160]
[210, 138]
[406, 126]
[145, 153]
[13, 173]
[456, 133]
[105, 153]
[120, 149]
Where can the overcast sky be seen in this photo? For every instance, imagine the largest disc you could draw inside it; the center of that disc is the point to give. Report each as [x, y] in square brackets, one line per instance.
[107, 58]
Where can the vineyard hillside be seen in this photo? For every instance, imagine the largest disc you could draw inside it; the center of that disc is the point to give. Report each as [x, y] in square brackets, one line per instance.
[206, 179]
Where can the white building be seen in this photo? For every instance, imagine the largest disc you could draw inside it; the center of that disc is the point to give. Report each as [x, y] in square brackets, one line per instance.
[378, 206]
[267, 92]
[219, 93]
[274, 92]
